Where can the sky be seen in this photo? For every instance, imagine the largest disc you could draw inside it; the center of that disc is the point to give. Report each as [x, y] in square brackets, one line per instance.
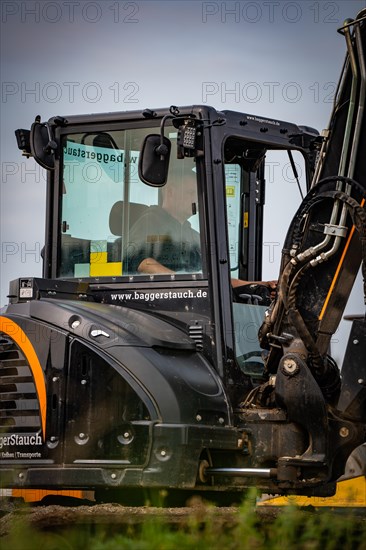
[278, 59]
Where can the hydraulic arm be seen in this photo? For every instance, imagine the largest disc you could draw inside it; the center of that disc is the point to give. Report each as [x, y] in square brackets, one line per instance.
[324, 248]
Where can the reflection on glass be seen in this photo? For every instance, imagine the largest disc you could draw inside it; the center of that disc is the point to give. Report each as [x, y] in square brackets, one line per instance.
[112, 223]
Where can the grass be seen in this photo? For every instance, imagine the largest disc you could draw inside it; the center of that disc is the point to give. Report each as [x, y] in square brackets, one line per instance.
[292, 528]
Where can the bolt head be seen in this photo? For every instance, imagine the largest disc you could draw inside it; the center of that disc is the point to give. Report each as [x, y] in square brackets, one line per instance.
[344, 431]
[289, 366]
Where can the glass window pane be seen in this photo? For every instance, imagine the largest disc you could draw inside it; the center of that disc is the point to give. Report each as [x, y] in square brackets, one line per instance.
[282, 200]
[112, 223]
[232, 182]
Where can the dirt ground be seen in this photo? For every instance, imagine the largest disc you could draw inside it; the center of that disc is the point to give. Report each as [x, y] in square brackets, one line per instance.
[56, 516]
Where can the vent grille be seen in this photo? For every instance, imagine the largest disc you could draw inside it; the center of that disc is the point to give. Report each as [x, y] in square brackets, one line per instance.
[19, 407]
[195, 332]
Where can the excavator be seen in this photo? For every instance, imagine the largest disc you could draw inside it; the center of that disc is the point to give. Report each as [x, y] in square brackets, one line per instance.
[151, 357]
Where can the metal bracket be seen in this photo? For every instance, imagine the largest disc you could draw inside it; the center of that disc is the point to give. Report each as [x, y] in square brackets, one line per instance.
[335, 230]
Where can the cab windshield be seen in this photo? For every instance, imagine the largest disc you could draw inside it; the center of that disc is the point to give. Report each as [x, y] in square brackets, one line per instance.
[113, 224]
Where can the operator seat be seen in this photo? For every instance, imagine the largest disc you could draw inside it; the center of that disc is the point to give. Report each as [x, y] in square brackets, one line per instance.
[117, 224]
[134, 212]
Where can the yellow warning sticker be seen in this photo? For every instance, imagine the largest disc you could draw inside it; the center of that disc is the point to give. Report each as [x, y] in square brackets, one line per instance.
[230, 191]
[246, 220]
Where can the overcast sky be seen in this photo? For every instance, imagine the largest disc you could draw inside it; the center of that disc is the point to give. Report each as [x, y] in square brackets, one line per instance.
[278, 59]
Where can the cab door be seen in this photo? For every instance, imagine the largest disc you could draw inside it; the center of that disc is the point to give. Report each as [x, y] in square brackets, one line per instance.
[262, 192]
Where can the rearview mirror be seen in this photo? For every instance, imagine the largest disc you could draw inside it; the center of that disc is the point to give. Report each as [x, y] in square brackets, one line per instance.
[43, 145]
[154, 160]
